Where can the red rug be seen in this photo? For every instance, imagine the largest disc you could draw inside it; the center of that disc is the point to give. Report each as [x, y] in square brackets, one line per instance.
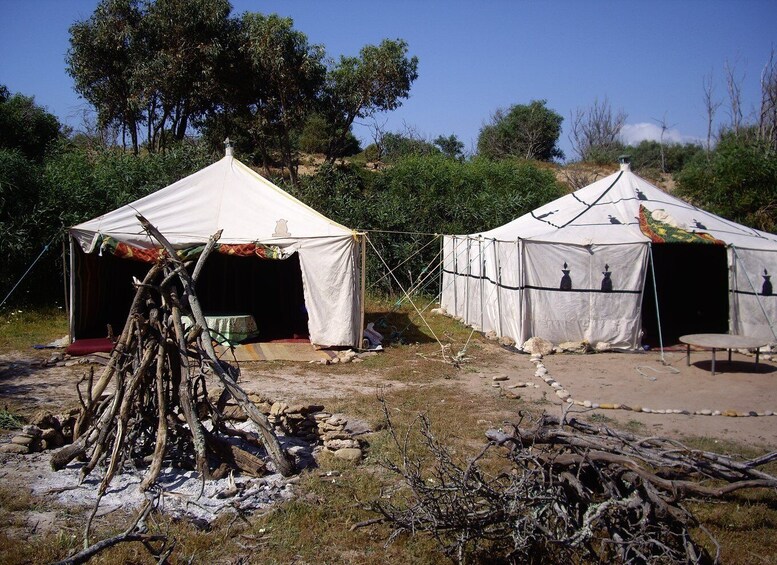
[87, 346]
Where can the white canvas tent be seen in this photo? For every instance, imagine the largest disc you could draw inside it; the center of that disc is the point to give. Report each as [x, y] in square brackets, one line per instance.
[594, 264]
[294, 269]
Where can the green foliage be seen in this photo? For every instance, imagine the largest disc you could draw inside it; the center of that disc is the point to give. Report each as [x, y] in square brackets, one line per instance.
[358, 87]
[526, 131]
[646, 156]
[450, 146]
[317, 133]
[423, 195]
[738, 180]
[25, 126]
[397, 146]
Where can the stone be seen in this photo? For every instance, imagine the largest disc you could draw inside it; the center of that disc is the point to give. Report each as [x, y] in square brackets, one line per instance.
[647, 410]
[518, 385]
[500, 378]
[606, 406]
[22, 439]
[706, 412]
[14, 448]
[730, 413]
[278, 408]
[768, 413]
[335, 444]
[32, 430]
[506, 341]
[541, 370]
[716, 413]
[573, 347]
[491, 335]
[554, 384]
[511, 395]
[595, 405]
[437, 312]
[636, 408]
[562, 394]
[602, 346]
[752, 413]
[336, 434]
[334, 360]
[46, 420]
[537, 345]
[336, 420]
[353, 454]
[587, 403]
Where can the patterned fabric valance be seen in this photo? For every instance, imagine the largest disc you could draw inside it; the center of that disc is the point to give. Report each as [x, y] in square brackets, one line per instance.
[107, 244]
[662, 232]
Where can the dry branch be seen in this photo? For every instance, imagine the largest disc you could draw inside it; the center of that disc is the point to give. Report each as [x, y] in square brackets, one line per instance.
[151, 401]
[572, 492]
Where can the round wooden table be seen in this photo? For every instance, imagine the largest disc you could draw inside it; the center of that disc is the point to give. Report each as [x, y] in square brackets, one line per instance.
[722, 341]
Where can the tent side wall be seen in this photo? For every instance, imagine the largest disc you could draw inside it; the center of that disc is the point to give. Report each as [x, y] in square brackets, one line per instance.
[752, 298]
[331, 277]
[560, 292]
[587, 293]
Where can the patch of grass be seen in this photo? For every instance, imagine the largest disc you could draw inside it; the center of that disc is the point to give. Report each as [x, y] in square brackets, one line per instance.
[21, 329]
[9, 420]
[634, 426]
[599, 418]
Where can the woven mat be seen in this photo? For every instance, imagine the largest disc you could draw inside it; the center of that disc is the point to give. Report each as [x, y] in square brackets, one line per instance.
[274, 352]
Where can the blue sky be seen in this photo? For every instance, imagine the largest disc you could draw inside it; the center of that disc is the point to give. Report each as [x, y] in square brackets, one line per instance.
[647, 58]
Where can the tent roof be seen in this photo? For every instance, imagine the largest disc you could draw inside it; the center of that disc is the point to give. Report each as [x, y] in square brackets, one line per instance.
[608, 212]
[226, 195]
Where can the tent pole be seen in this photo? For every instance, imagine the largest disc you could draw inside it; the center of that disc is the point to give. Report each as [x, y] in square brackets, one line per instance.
[65, 280]
[655, 295]
[498, 289]
[363, 287]
[71, 313]
[482, 271]
[466, 284]
[455, 244]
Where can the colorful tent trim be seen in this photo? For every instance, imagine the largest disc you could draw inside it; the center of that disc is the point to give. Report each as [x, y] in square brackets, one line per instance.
[663, 232]
[123, 250]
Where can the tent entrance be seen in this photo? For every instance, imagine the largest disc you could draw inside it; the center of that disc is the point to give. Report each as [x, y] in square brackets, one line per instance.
[692, 284]
[268, 289]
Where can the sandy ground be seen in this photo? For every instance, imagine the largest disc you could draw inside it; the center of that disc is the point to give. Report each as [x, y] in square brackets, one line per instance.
[633, 379]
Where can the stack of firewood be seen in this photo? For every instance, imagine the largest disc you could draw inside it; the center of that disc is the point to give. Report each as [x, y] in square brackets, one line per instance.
[151, 405]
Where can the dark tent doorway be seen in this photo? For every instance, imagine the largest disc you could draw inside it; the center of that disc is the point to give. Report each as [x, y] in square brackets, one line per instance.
[692, 283]
[270, 290]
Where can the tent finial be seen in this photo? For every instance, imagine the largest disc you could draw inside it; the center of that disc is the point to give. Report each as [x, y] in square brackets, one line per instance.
[625, 161]
[228, 147]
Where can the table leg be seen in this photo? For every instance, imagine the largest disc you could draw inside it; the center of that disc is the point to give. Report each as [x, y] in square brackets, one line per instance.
[757, 351]
[688, 359]
[729, 356]
[713, 361]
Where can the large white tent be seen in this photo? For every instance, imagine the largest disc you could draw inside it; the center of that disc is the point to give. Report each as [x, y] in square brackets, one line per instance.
[279, 259]
[611, 262]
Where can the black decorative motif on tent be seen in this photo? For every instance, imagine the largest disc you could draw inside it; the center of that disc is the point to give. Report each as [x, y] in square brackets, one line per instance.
[614, 220]
[766, 288]
[566, 280]
[641, 195]
[607, 281]
[698, 224]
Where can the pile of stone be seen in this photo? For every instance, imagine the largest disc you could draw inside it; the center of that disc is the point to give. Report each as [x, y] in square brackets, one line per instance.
[45, 432]
[312, 423]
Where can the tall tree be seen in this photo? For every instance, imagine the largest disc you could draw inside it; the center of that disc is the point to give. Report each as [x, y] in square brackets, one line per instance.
[285, 74]
[527, 131]
[102, 59]
[152, 64]
[185, 44]
[25, 126]
[378, 80]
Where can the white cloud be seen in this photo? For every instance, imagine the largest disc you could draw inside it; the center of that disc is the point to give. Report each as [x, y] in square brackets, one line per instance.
[632, 134]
